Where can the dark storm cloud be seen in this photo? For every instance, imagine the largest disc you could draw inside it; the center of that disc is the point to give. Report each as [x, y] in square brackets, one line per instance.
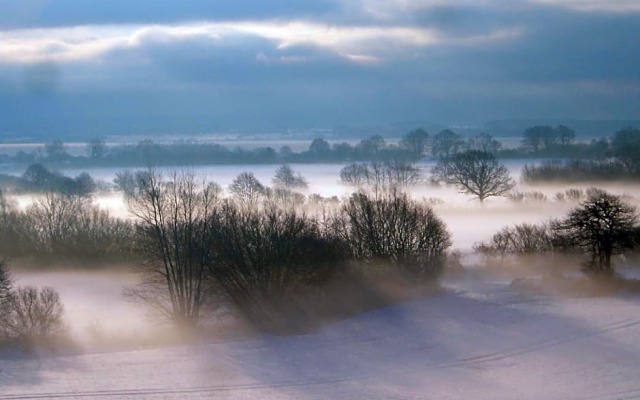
[301, 63]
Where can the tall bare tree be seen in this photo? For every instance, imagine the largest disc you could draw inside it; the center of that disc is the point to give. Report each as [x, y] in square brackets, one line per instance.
[175, 226]
[474, 172]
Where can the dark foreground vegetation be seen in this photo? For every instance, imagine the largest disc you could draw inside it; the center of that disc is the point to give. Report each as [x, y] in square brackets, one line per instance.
[277, 265]
[281, 260]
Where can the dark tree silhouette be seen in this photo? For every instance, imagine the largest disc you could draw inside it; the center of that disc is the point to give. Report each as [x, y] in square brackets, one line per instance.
[416, 142]
[602, 226]
[445, 143]
[56, 150]
[355, 174]
[175, 231]
[373, 146]
[484, 142]
[391, 228]
[5, 284]
[475, 172]
[566, 135]
[96, 148]
[32, 314]
[261, 255]
[539, 137]
[286, 178]
[319, 147]
[625, 147]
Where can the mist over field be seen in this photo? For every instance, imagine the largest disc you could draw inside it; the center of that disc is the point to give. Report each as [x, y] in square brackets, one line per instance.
[328, 199]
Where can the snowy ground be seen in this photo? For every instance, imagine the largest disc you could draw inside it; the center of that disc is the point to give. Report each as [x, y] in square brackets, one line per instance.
[477, 340]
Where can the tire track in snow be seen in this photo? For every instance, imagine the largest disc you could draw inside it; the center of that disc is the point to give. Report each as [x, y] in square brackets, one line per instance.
[491, 357]
[180, 391]
[497, 356]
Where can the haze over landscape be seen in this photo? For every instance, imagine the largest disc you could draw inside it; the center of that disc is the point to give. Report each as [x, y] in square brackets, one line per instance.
[328, 199]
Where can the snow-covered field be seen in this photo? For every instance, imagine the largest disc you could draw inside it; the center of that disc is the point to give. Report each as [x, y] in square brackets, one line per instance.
[477, 340]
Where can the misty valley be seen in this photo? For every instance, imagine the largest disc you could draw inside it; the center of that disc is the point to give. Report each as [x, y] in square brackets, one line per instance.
[372, 268]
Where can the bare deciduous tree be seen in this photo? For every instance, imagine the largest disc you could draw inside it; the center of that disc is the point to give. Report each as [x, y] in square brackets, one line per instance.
[602, 226]
[175, 228]
[388, 174]
[523, 239]
[392, 228]
[264, 254]
[5, 284]
[32, 313]
[475, 172]
[247, 189]
[285, 178]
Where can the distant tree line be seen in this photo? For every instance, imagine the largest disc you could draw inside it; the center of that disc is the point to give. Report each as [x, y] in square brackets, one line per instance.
[39, 179]
[537, 142]
[618, 160]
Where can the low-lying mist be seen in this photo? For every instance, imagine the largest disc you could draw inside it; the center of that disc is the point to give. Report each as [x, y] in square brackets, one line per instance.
[97, 313]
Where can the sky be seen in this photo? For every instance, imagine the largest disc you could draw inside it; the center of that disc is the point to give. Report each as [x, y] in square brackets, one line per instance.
[145, 66]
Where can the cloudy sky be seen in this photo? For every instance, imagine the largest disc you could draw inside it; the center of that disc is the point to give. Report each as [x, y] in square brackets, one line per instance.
[147, 66]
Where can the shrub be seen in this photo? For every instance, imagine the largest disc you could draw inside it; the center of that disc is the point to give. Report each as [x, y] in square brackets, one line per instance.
[261, 255]
[529, 197]
[523, 239]
[395, 230]
[33, 315]
[575, 171]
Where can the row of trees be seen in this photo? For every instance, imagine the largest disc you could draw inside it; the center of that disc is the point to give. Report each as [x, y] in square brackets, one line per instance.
[200, 248]
[39, 179]
[620, 160]
[537, 141]
[473, 172]
[63, 227]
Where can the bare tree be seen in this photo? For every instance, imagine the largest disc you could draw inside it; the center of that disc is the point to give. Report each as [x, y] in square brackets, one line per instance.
[388, 174]
[33, 313]
[247, 189]
[392, 228]
[523, 239]
[602, 226]
[355, 174]
[475, 172]
[54, 217]
[264, 254]
[402, 173]
[175, 228]
[5, 284]
[285, 178]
